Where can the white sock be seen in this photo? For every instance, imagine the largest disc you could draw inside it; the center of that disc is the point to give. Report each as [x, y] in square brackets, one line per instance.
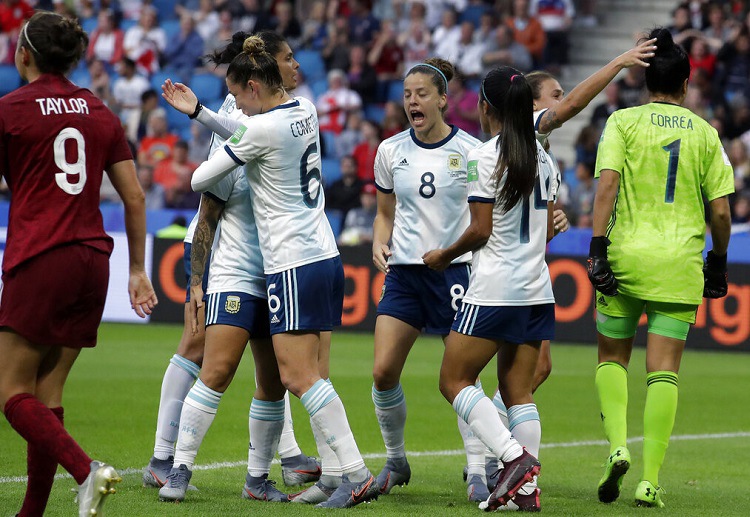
[178, 379]
[327, 413]
[474, 450]
[329, 464]
[526, 426]
[501, 409]
[390, 409]
[288, 446]
[198, 414]
[478, 411]
[265, 423]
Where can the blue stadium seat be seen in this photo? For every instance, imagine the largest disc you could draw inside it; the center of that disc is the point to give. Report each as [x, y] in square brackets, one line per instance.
[311, 64]
[207, 86]
[89, 24]
[336, 220]
[80, 78]
[396, 91]
[165, 8]
[375, 113]
[178, 122]
[329, 144]
[331, 170]
[473, 14]
[125, 24]
[171, 28]
[319, 87]
[9, 79]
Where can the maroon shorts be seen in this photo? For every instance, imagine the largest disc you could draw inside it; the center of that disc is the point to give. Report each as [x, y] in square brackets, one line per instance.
[57, 298]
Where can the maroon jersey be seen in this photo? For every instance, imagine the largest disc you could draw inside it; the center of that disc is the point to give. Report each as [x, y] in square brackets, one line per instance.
[56, 141]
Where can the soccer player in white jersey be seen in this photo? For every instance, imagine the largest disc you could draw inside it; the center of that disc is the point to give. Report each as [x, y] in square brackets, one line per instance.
[509, 305]
[421, 179]
[304, 274]
[235, 265]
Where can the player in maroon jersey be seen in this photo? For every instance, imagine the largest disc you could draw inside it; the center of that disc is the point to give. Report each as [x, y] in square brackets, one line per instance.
[56, 139]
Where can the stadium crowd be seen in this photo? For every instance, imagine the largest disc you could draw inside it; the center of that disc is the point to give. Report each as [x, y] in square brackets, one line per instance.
[353, 54]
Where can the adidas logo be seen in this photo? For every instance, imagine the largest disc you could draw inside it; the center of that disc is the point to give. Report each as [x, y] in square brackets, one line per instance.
[275, 319]
[404, 162]
[602, 301]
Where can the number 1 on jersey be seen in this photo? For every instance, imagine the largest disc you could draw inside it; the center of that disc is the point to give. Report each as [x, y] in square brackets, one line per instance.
[674, 157]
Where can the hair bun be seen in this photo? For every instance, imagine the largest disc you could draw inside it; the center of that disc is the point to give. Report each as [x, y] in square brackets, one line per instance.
[253, 45]
[664, 41]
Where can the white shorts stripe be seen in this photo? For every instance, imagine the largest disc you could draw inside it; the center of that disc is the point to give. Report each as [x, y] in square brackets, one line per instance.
[474, 320]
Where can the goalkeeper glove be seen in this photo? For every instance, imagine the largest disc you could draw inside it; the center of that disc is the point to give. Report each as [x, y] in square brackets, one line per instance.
[715, 276]
[600, 273]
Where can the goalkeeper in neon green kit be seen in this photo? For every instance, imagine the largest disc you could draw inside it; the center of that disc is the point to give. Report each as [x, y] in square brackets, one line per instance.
[655, 164]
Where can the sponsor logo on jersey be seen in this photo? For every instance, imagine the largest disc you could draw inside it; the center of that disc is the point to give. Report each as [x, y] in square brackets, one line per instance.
[454, 162]
[403, 162]
[237, 135]
[232, 306]
[473, 173]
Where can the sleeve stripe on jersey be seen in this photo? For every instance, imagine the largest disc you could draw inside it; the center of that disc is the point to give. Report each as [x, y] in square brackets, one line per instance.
[233, 156]
[215, 197]
[384, 190]
[478, 199]
[539, 120]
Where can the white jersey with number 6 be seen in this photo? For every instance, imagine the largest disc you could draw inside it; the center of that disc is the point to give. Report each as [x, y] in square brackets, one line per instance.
[429, 181]
[510, 268]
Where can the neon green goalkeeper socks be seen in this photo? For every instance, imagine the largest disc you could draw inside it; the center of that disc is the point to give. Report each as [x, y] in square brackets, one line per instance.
[658, 421]
[612, 387]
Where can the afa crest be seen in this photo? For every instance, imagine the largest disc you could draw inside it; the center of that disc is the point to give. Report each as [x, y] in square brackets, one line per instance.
[454, 162]
[232, 306]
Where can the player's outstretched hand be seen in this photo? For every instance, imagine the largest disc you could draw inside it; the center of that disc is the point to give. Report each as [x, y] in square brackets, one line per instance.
[600, 273]
[560, 220]
[142, 295]
[436, 259]
[638, 54]
[196, 303]
[179, 96]
[380, 254]
[715, 276]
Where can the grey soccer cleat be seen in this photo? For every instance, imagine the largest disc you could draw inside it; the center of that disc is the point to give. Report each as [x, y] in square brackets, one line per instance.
[318, 493]
[351, 494]
[476, 489]
[396, 472]
[156, 472]
[262, 489]
[177, 484]
[299, 470]
[95, 489]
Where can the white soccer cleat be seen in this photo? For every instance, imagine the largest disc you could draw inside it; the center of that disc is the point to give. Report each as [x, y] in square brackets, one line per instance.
[98, 485]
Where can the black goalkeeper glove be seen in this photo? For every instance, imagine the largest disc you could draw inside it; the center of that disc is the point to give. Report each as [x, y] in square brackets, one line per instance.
[600, 274]
[715, 276]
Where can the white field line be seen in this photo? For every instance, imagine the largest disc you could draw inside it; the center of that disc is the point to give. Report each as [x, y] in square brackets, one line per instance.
[416, 454]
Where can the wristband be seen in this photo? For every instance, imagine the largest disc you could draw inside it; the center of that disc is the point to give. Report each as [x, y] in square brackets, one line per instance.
[198, 109]
[713, 259]
[598, 246]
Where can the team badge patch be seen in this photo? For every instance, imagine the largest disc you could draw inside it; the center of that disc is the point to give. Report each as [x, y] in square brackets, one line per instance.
[237, 135]
[232, 306]
[473, 173]
[454, 162]
[382, 293]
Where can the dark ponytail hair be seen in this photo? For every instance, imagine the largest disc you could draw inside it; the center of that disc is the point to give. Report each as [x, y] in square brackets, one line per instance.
[57, 43]
[254, 62]
[224, 56]
[509, 99]
[440, 70]
[670, 66]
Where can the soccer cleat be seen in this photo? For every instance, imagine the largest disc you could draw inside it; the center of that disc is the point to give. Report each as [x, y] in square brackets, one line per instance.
[514, 475]
[299, 470]
[156, 472]
[477, 489]
[617, 466]
[262, 489]
[647, 494]
[522, 503]
[396, 472]
[317, 493]
[95, 489]
[177, 484]
[351, 494]
[491, 472]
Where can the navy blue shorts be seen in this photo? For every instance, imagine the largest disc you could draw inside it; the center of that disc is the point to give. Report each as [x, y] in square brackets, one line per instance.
[513, 324]
[309, 297]
[238, 310]
[424, 298]
[186, 262]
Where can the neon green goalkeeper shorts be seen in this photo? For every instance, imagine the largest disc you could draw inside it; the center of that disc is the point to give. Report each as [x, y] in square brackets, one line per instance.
[617, 316]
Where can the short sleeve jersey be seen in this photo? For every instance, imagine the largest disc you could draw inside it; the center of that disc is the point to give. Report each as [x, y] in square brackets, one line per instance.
[509, 270]
[57, 140]
[429, 181]
[281, 153]
[668, 159]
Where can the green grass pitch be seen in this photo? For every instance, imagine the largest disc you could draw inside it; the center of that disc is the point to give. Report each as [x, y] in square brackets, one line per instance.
[113, 392]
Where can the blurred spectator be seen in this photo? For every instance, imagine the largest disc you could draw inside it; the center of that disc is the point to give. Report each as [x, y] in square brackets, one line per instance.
[486, 30]
[605, 109]
[698, 13]
[153, 191]
[350, 137]
[366, 151]
[343, 194]
[466, 55]
[13, 13]
[131, 9]
[738, 157]
[362, 78]
[106, 42]
[462, 109]
[186, 7]
[359, 221]
[738, 120]
[632, 87]
[386, 56]
[582, 196]
[718, 31]
[159, 143]
[587, 15]
[681, 26]
[446, 36]
[168, 171]
[251, 15]
[303, 89]
[586, 144]
[127, 89]
[394, 120]
[145, 41]
[182, 194]
[336, 52]
[100, 81]
[183, 52]
[527, 30]
[107, 193]
[206, 20]
[314, 26]
[363, 26]
[733, 67]
[556, 17]
[741, 212]
[504, 50]
[221, 36]
[336, 103]
[701, 57]
[415, 43]
[200, 142]
[137, 123]
[286, 24]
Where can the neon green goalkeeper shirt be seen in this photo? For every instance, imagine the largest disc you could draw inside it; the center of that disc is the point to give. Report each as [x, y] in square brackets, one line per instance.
[668, 159]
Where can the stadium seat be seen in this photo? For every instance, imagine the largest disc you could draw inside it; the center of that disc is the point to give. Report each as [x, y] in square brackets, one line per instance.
[207, 86]
[89, 25]
[375, 113]
[178, 122]
[319, 87]
[125, 24]
[336, 220]
[328, 140]
[80, 78]
[473, 14]
[396, 91]
[171, 28]
[331, 170]
[9, 79]
[311, 64]
[166, 9]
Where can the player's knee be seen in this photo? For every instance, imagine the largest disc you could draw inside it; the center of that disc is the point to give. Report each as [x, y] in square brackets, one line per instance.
[218, 376]
[383, 379]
